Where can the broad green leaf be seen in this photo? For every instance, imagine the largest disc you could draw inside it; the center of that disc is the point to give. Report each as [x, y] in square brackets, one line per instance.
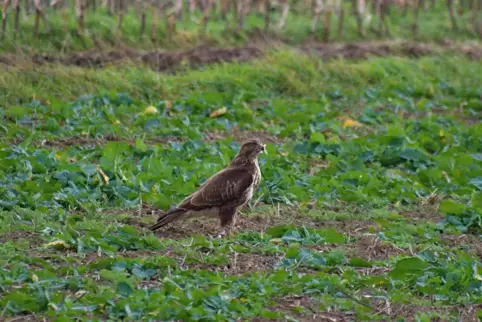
[317, 137]
[360, 262]
[477, 182]
[279, 231]
[407, 267]
[477, 200]
[124, 289]
[451, 207]
[331, 235]
[140, 145]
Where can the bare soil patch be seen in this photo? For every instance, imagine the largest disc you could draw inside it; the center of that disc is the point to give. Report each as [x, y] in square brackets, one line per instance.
[240, 263]
[89, 141]
[305, 309]
[209, 136]
[469, 243]
[424, 213]
[157, 60]
[458, 114]
[14, 236]
[242, 135]
[260, 222]
[170, 61]
[466, 313]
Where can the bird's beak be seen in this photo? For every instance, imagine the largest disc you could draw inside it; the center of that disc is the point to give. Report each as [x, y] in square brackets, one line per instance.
[264, 149]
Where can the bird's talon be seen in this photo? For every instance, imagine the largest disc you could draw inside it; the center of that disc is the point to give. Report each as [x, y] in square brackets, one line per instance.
[221, 234]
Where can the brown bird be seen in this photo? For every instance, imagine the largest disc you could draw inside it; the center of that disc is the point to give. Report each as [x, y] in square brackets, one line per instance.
[223, 193]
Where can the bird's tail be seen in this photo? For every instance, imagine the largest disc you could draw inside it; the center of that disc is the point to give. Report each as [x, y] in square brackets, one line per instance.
[167, 218]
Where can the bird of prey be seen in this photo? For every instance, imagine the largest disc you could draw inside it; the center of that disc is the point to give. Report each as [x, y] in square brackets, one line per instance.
[223, 193]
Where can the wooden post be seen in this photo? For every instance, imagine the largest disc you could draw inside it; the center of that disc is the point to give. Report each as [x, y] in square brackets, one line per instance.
[5, 4]
[452, 14]
[415, 21]
[359, 18]
[284, 14]
[327, 23]
[16, 7]
[341, 18]
[140, 5]
[79, 12]
[476, 6]
[155, 21]
[120, 17]
[267, 15]
[317, 13]
[206, 16]
[39, 14]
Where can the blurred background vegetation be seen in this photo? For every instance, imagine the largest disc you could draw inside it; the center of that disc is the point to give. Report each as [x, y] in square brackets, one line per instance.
[61, 26]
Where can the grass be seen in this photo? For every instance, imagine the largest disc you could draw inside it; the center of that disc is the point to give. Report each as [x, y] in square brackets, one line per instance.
[279, 76]
[101, 30]
[370, 206]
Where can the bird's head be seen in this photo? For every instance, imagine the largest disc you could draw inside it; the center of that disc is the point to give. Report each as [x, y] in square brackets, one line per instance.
[250, 149]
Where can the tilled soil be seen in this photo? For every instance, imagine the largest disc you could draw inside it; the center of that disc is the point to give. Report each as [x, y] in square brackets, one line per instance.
[169, 61]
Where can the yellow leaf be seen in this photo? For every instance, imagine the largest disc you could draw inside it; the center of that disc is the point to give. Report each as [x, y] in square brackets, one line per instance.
[105, 178]
[441, 133]
[58, 156]
[349, 122]
[58, 244]
[276, 240]
[117, 122]
[156, 312]
[219, 112]
[150, 110]
[84, 133]
[34, 278]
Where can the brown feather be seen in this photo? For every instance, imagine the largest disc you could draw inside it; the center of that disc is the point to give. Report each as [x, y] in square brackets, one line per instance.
[167, 218]
[224, 192]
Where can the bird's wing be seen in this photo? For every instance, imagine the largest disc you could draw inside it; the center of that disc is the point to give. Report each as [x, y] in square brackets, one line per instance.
[224, 187]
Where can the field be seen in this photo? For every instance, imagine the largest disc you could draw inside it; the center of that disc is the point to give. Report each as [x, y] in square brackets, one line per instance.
[370, 208]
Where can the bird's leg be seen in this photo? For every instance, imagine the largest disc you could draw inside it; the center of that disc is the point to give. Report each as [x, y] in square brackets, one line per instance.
[227, 217]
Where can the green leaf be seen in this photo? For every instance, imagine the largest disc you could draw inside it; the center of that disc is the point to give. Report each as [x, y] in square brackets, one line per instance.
[144, 273]
[112, 154]
[22, 302]
[271, 149]
[477, 182]
[475, 104]
[408, 266]
[477, 156]
[279, 231]
[360, 262]
[89, 169]
[331, 235]
[140, 145]
[451, 207]
[317, 137]
[477, 200]
[413, 155]
[16, 111]
[124, 289]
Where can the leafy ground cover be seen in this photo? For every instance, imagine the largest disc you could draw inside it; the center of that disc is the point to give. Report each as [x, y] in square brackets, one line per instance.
[370, 208]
